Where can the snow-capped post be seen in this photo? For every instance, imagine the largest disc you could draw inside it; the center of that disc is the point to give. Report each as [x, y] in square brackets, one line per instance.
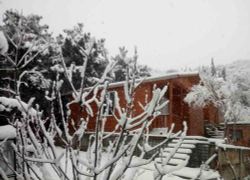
[205, 166]
[4, 46]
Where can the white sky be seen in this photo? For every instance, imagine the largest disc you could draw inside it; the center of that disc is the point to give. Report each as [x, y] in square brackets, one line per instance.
[168, 33]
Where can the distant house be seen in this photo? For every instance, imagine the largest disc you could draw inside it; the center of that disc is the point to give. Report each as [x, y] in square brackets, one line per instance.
[176, 112]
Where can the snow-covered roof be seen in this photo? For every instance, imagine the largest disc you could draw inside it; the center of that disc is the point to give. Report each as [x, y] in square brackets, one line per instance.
[150, 79]
[240, 122]
[171, 76]
[158, 78]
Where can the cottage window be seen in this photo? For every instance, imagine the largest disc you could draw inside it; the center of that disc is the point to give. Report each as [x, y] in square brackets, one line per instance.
[236, 135]
[164, 110]
[109, 104]
[177, 100]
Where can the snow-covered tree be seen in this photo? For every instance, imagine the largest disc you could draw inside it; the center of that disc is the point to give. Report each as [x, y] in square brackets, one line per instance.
[33, 57]
[122, 61]
[227, 88]
[73, 44]
[24, 67]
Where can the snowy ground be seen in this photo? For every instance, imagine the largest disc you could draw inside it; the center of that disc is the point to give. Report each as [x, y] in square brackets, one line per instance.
[186, 172]
[145, 172]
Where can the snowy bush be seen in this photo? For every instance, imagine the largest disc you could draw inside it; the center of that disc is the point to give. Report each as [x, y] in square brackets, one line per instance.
[226, 90]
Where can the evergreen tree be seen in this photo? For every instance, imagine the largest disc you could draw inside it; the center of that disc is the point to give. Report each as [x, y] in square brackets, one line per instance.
[122, 61]
[31, 53]
[213, 69]
[74, 46]
[224, 74]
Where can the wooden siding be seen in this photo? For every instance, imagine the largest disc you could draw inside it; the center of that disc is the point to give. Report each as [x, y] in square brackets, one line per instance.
[178, 110]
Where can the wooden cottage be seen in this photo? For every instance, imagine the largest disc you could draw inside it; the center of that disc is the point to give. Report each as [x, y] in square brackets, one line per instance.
[176, 111]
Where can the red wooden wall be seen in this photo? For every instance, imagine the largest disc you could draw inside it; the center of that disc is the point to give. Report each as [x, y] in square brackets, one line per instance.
[178, 110]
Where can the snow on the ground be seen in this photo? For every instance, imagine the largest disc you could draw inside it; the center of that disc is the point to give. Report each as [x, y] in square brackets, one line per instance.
[146, 172]
[7, 131]
[181, 174]
[148, 175]
[194, 172]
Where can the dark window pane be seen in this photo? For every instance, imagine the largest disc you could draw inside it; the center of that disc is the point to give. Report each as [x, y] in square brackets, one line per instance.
[109, 104]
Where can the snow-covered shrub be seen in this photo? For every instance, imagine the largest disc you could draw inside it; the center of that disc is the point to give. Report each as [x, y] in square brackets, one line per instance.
[225, 87]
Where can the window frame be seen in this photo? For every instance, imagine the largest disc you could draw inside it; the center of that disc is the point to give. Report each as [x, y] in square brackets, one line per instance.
[236, 134]
[166, 112]
[106, 108]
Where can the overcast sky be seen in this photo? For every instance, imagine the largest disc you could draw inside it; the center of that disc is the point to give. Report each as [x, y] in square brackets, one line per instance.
[168, 33]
